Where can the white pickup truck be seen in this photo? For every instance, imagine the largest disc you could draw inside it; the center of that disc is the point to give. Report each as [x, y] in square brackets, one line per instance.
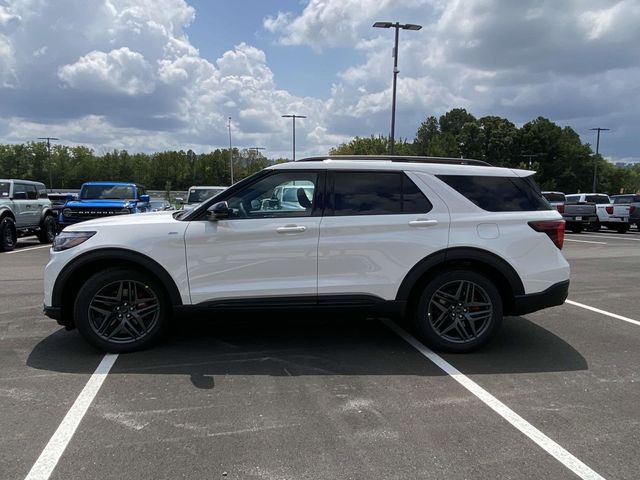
[615, 217]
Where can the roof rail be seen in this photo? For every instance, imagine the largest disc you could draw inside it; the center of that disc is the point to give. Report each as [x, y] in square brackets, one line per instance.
[399, 158]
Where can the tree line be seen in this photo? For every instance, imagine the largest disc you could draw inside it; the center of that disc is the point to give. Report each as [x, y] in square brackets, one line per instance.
[561, 160]
[70, 166]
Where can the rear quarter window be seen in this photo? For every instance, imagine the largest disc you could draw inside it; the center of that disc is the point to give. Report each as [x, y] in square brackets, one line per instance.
[498, 194]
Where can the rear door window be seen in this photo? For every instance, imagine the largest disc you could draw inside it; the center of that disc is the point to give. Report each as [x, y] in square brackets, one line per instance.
[32, 192]
[376, 193]
[498, 194]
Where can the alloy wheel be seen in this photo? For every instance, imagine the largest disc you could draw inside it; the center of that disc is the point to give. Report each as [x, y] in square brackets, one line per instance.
[460, 311]
[124, 311]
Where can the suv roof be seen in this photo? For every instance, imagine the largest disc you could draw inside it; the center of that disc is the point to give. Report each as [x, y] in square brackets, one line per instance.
[31, 182]
[399, 158]
[433, 165]
[114, 183]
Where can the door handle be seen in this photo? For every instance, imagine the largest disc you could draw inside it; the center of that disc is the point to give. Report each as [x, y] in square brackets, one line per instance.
[423, 223]
[291, 229]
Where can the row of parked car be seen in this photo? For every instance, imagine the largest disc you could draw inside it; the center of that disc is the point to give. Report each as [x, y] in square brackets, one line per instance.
[26, 208]
[593, 211]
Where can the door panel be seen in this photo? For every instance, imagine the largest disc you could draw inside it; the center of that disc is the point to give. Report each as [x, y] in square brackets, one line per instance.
[267, 248]
[371, 254]
[20, 210]
[252, 258]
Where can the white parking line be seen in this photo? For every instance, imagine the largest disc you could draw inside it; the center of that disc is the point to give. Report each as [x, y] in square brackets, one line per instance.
[27, 249]
[49, 457]
[544, 442]
[603, 312]
[605, 235]
[583, 241]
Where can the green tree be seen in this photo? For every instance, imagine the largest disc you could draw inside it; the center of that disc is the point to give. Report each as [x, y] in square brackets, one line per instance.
[453, 121]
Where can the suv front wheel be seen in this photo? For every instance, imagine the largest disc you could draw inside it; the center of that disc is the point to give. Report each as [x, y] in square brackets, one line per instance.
[458, 311]
[121, 310]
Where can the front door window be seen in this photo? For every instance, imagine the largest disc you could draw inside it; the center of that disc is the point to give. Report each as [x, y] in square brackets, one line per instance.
[282, 195]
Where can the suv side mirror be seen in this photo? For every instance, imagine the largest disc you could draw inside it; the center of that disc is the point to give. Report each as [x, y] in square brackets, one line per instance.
[145, 198]
[20, 196]
[219, 211]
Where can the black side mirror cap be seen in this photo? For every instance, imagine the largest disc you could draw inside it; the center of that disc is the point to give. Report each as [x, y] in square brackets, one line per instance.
[219, 211]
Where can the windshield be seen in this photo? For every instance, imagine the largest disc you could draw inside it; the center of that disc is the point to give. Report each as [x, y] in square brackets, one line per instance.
[199, 195]
[598, 199]
[553, 197]
[107, 192]
[4, 189]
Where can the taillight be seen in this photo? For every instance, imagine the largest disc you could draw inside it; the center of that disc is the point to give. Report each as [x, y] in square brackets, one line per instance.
[632, 209]
[609, 210]
[560, 207]
[553, 228]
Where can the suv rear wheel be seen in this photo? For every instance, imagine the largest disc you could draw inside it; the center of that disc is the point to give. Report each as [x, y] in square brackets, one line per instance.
[458, 311]
[121, 310]
[47, 229]
[8, 236]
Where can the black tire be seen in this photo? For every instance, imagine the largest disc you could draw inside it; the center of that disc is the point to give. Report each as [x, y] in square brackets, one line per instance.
[622, 228]
[444, 322]
[595, 226]
[47, 231]
[576, 229]
[120, 310]
[8, 235]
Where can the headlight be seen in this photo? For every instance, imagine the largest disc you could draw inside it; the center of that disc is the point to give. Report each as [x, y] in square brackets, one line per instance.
[124, 211]
[67, 240]
[67, 212]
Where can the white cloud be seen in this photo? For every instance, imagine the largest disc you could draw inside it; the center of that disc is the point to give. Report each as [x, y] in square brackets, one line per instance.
[120, 70]
[128, 69]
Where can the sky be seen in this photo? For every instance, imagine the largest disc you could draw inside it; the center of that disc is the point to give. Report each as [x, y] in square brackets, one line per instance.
[151, 75]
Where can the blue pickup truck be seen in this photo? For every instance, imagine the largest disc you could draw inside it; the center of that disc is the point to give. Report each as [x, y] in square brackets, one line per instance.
[102, 199]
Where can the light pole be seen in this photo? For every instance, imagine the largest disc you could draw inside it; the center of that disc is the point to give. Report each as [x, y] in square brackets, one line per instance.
[257, 149]
[48, 139]
[529, 156]
[595, 159]
[230, 152]
[294, 116]
[397, 26]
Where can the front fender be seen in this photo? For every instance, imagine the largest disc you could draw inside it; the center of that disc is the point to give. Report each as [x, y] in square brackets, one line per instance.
[6, 211]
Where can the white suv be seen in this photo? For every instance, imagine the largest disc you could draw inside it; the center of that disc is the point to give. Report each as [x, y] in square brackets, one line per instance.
[451, 244]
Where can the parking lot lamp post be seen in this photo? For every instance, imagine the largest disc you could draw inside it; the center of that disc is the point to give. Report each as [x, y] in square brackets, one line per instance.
[294, 116]
[49, 139]
[230, 152]
[397, 26]
[529, 156]
[595, 159]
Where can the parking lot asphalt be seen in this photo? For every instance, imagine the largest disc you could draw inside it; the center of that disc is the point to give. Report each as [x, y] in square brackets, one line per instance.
[285, 398]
